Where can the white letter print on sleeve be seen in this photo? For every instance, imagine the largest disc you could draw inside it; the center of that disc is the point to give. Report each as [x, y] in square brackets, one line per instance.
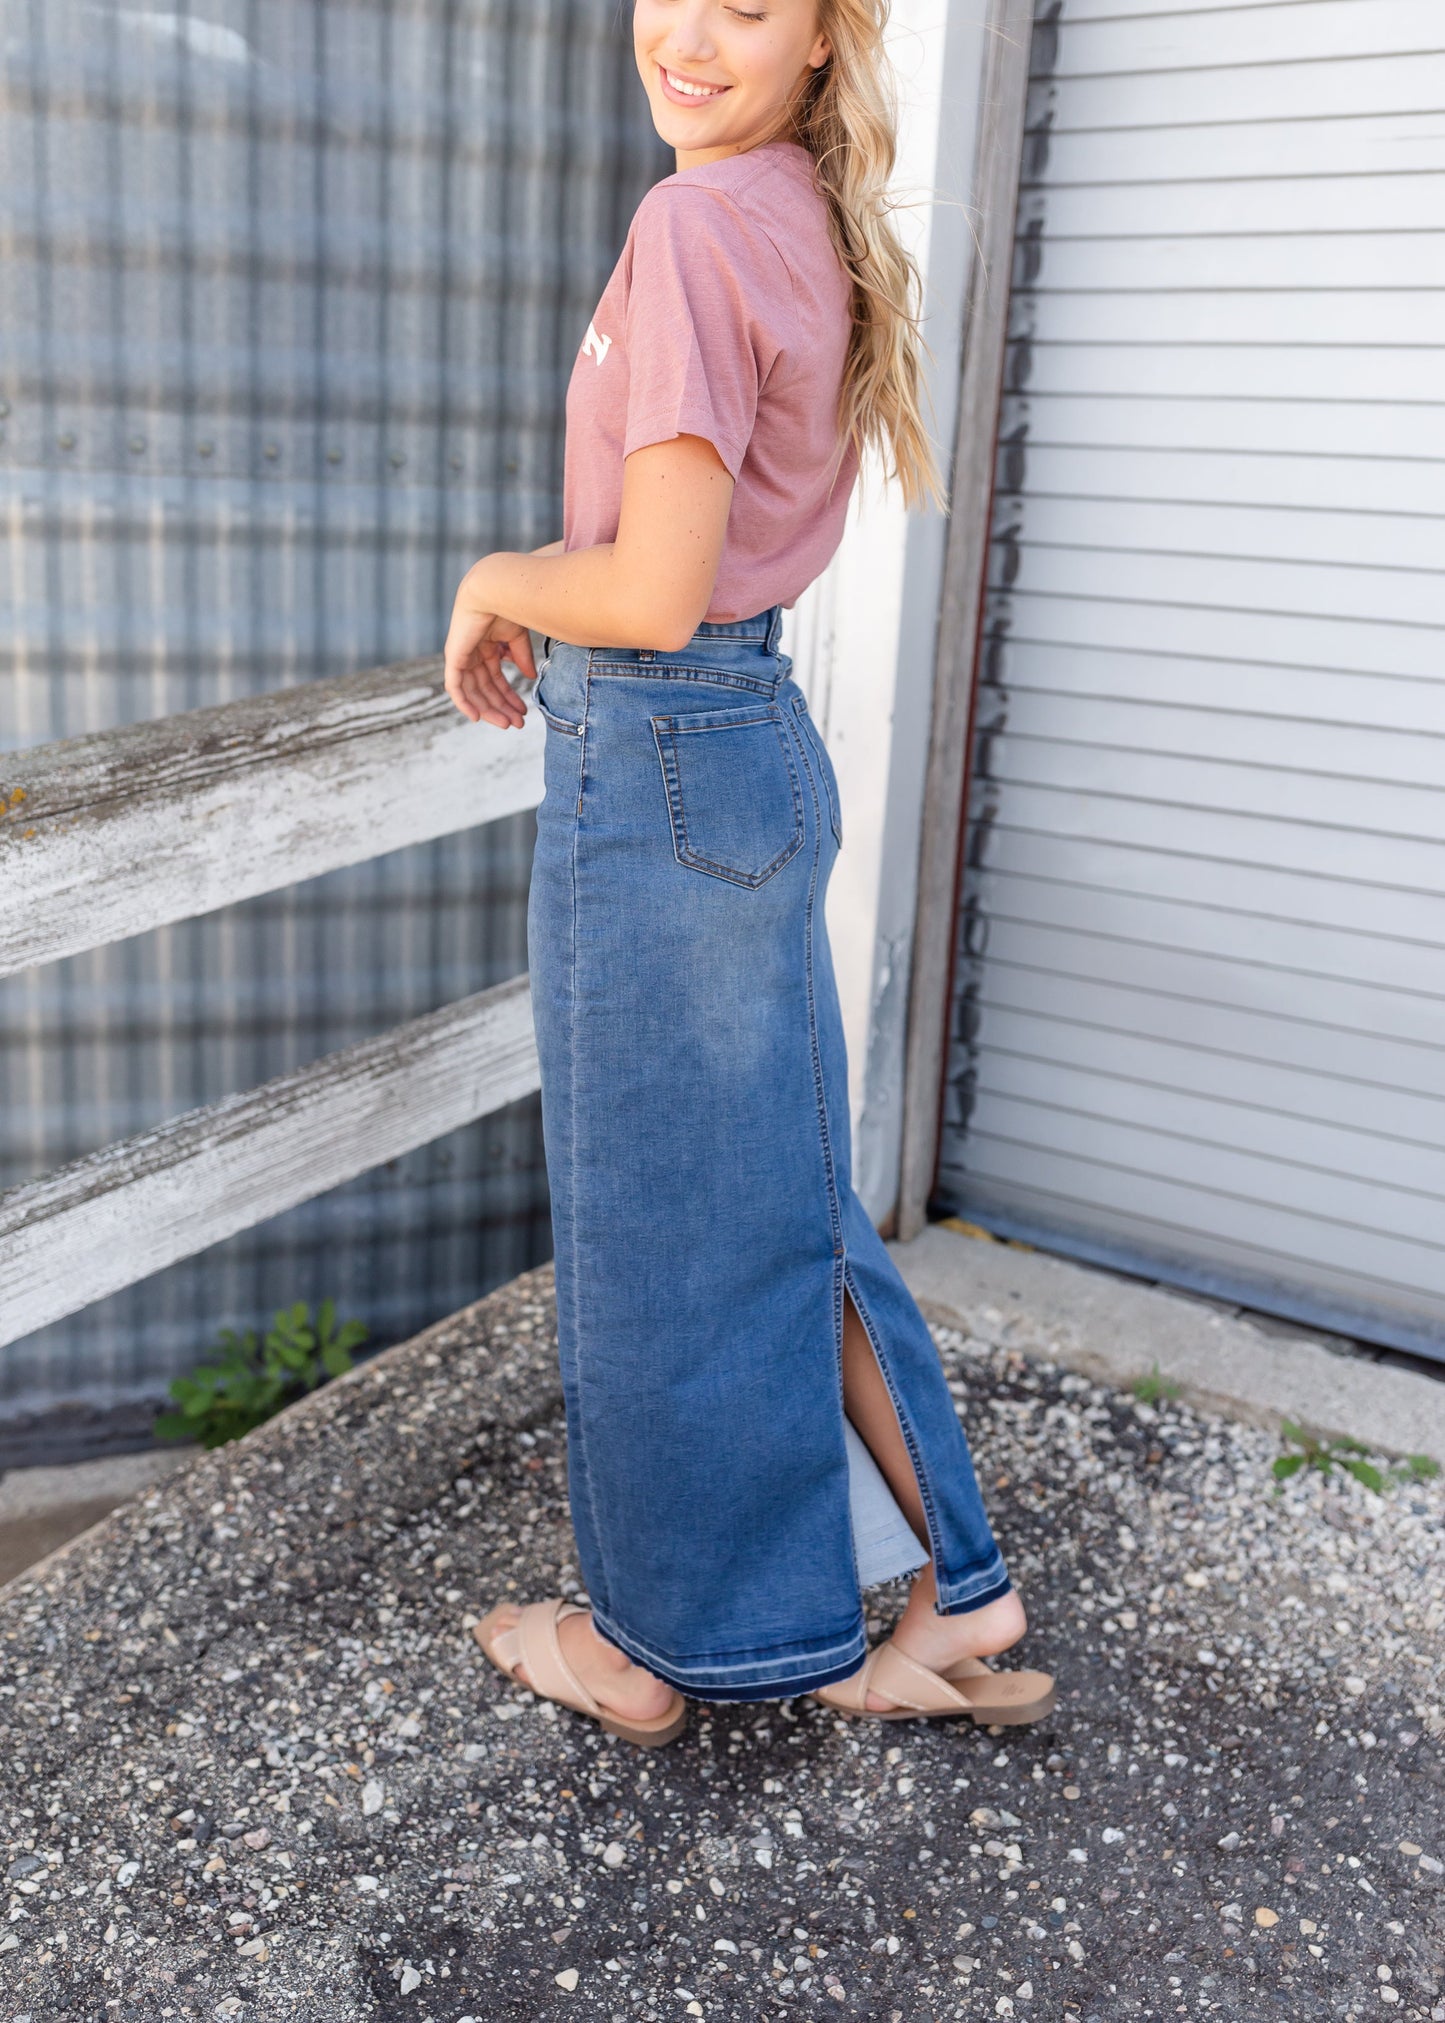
[596, 345]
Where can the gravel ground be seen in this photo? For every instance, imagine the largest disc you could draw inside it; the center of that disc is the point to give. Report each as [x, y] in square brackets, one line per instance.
[252, 1765]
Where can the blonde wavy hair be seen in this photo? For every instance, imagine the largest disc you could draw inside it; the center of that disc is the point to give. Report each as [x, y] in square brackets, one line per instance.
[846, 116]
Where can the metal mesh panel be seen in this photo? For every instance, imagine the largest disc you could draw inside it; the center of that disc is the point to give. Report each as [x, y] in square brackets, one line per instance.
[292, 291]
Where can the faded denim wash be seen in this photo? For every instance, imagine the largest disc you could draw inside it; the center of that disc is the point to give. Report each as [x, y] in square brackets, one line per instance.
[696, 1127]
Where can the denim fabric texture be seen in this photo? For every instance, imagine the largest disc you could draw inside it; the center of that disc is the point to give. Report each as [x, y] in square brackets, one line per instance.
[696, 1127]
[884, 1542]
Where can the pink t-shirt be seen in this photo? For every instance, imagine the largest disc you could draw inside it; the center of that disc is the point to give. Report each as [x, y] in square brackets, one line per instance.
[727, 316]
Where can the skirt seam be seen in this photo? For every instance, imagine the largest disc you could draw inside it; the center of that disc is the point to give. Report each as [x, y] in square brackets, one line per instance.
[840, 1265]
[579, 1431]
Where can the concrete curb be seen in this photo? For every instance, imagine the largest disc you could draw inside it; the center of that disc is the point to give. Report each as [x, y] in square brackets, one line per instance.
[1114, 1330]
[33, 1492]
[44, 1512]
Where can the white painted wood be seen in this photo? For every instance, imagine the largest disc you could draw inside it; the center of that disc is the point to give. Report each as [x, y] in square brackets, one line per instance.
[124, 830]
[1355, 429]
[109, 1220]
[863, 638]
[965, 573]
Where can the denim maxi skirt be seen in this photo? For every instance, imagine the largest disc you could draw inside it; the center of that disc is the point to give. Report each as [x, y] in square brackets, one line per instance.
[696, 1128]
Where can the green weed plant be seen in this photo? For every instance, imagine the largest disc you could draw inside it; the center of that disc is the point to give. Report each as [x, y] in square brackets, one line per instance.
[252, 1380]
[1149, 1390]
[1351, 1455]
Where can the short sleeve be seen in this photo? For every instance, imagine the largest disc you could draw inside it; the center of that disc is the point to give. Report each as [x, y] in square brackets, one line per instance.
[709, 307]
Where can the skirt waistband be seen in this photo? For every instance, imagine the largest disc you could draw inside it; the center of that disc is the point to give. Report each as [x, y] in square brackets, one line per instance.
[765, 627]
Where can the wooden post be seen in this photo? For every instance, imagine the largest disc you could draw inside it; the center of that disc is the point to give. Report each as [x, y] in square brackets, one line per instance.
[985, 334]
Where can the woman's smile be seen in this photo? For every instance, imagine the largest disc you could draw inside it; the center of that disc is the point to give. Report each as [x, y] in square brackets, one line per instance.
[684, 90]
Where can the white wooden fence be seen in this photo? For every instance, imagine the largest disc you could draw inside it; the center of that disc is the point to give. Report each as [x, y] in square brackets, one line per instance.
[105, 836]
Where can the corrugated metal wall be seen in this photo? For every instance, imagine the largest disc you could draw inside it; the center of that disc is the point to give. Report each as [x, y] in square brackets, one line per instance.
[291, 292]
[1200, 1002]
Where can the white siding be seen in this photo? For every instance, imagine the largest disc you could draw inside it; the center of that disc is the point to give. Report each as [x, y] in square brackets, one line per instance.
[1199, 1019]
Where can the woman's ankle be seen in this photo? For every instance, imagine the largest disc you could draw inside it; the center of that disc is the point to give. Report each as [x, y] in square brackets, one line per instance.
[985, 1630]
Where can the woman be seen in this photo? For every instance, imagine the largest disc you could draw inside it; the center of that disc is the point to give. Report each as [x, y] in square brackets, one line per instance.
[730, 1322]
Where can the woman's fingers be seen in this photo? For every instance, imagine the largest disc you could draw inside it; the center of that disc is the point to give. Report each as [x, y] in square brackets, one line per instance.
[475, 646]
[518, 650]
[482, 692]
[495, 699]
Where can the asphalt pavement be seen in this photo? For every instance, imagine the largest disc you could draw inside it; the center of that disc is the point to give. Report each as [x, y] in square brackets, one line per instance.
[253, 1765]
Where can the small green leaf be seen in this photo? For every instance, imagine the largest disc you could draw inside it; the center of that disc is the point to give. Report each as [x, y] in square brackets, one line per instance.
[335, 1359]
[1364, 1472]
[1288, 1464]
[171, 1426]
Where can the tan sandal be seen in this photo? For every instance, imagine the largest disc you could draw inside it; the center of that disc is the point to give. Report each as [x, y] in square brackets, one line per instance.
[968, 1688]
[532, 1641]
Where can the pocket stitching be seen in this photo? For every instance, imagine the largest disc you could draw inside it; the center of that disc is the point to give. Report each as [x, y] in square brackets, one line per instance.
[835, 815]
[569, 730]
[669, 729]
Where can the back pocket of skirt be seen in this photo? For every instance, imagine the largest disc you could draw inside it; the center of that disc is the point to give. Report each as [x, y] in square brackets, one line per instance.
[733, 795]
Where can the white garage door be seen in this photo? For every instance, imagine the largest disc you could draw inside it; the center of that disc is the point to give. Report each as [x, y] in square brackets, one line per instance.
[1199, 1024]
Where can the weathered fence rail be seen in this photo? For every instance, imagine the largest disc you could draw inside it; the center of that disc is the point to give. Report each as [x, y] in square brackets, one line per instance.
[106, 836]
[109, 835]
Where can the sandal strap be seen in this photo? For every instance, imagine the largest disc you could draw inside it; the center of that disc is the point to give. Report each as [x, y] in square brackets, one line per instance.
[852, 1691]
[902, 1679]
[541, 1653]
[899, 1678]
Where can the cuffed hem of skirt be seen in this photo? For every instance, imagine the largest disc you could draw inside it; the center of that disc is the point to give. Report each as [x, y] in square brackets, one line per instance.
[748, 1679]
[956, 1598]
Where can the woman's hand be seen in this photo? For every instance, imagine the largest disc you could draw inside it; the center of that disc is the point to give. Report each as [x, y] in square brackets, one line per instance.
[478, 641]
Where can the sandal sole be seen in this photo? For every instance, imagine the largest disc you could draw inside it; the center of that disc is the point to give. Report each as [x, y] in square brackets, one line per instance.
[982, 1717]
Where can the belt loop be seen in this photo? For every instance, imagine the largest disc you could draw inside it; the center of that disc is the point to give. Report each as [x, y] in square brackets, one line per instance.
[775, 629]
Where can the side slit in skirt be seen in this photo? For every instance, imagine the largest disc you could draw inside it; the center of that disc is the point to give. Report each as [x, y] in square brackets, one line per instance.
[696, 1128]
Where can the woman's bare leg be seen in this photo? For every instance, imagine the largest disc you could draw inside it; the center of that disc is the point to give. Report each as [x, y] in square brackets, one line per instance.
[921, 1633]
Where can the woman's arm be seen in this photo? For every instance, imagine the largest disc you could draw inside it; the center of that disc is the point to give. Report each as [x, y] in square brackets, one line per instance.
[649, 587]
